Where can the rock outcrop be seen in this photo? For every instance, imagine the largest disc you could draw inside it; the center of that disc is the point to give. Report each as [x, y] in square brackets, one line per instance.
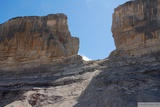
[136, 28]
[40, 39]
[120, 80]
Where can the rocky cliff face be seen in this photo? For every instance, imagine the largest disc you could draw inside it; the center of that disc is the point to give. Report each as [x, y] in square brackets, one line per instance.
[136, 27]
[116, 81]
[41, 39]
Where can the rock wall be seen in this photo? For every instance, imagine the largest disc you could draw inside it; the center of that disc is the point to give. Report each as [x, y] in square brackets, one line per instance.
[33, 38]
[111, 82]
[136, 27]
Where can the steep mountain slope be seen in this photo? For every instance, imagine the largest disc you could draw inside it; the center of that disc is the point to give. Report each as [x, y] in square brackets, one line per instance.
[131, 73]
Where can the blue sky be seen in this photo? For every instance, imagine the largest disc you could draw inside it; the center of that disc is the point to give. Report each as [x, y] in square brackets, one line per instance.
[89, 20]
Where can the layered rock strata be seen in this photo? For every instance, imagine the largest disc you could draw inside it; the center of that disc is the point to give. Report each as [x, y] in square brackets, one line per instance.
[69, 82]
[136, 27]
[41, 39]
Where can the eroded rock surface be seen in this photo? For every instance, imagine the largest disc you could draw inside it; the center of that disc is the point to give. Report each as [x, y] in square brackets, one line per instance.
[33, 38]
[136, 27]
[117, 81]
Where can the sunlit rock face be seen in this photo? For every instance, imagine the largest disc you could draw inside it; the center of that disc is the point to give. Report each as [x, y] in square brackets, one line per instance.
[136, 27]
[65, 80]
[34, 38]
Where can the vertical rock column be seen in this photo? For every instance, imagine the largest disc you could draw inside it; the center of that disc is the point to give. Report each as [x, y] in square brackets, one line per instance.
[136, 27]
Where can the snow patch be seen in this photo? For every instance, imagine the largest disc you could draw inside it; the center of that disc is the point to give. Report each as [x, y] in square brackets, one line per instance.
[85, 58]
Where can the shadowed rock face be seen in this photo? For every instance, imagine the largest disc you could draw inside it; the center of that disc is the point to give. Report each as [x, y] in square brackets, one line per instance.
[36, 38]
[136, 27]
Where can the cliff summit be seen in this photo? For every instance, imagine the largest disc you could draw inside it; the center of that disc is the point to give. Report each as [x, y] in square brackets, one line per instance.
[41, 39]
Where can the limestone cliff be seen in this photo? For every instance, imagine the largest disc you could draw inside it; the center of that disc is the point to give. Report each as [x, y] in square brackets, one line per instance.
[116, 81]
[136, 27]
[34, 38]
